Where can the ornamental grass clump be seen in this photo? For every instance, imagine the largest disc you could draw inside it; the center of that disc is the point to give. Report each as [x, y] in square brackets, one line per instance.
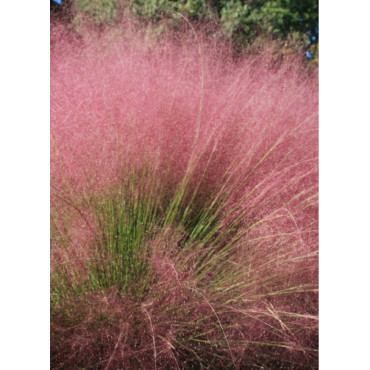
[183, 206]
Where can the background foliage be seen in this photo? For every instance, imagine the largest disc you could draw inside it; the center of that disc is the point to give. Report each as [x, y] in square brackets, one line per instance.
[292, 23]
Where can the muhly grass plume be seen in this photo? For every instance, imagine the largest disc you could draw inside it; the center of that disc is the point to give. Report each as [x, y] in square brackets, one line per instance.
[184, 207]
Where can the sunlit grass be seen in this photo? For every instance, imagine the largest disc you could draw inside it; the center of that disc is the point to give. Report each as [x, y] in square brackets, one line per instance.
[184, 208]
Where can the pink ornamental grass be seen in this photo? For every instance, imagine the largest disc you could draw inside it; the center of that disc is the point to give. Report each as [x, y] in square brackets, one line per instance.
[184, 196]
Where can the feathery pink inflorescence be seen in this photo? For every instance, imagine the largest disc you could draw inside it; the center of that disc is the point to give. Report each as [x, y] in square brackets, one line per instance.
[239, 129]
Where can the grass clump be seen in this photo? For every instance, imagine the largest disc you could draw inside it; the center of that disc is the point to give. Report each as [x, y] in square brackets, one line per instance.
[184, 207]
